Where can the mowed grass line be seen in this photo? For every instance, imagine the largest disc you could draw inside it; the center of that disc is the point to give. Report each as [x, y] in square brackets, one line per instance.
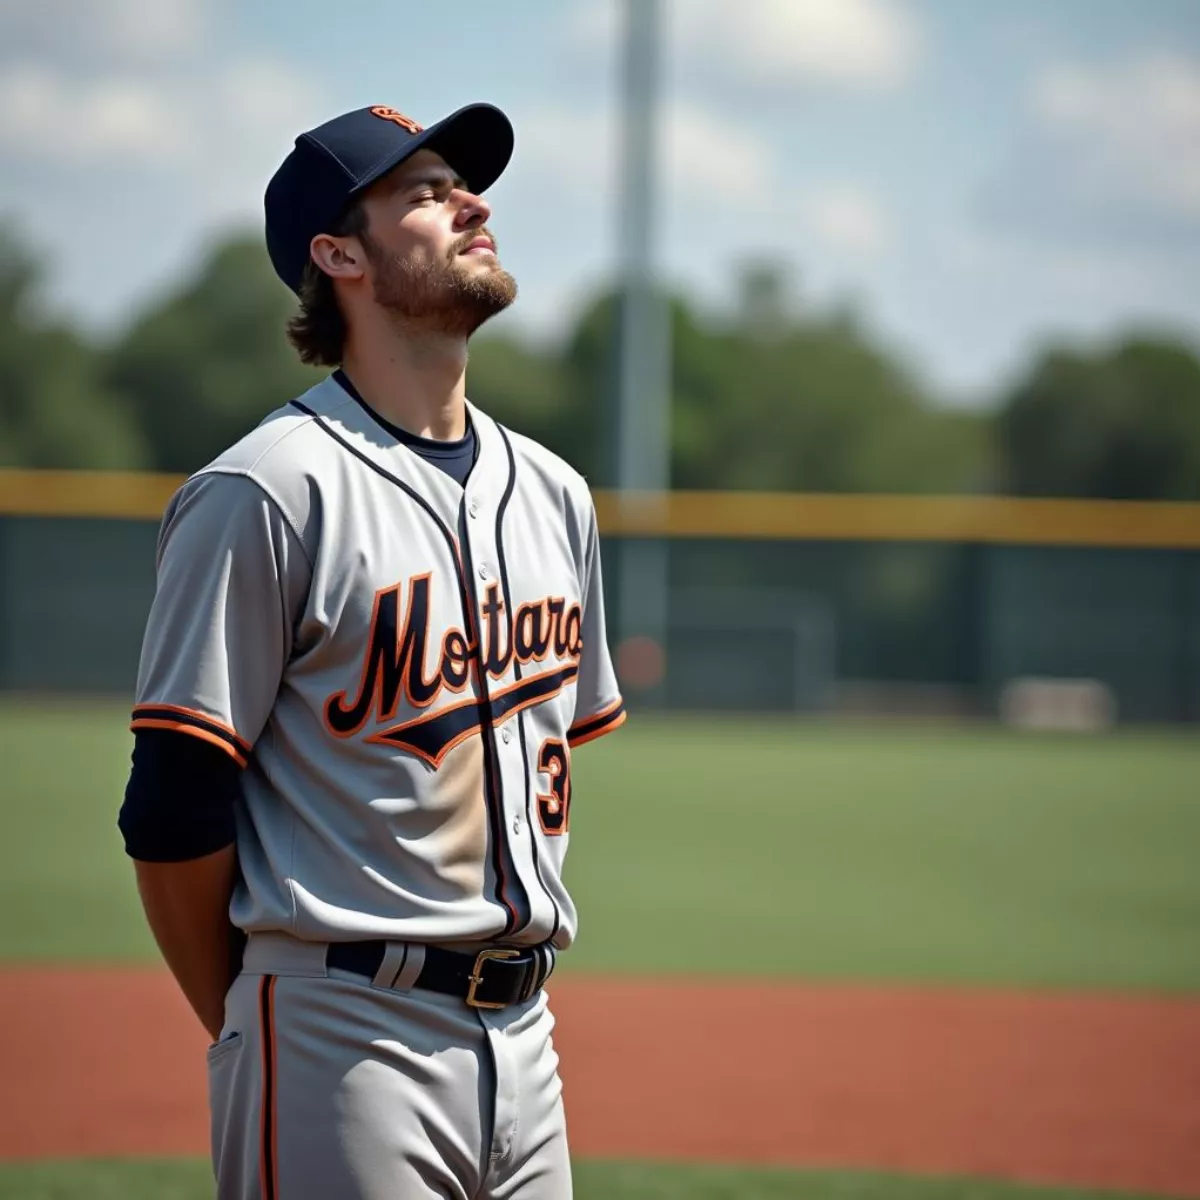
[743, 846]
[881, 853]
[191, 1179]
[66, 887]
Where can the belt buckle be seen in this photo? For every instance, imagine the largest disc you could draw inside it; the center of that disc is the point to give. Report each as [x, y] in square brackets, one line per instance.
[476, 977]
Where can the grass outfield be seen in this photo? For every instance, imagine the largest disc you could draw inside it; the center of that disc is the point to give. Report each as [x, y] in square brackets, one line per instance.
[192, 1180]
[744, 846]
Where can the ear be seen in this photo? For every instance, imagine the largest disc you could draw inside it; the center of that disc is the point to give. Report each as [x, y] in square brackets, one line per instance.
[339, 258]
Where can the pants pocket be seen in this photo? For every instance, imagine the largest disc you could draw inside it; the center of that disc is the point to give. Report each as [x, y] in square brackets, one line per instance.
[227, 1044]
[222, 1059]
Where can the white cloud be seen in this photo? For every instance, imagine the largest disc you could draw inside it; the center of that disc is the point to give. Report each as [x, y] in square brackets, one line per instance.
[114, 30]
[698, 170]
[579, 150]
[1129, 129]
[255, 107]
[847, 217]
[855, 43]
[572, 152]
[861, 44]
[592, 23]
[45, 115]
[136, 83]
[221, 133]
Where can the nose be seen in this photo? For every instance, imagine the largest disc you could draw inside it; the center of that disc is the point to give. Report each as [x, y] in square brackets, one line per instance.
[473, 210]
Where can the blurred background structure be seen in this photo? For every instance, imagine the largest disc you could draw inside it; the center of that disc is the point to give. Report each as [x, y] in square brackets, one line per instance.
[859, 248]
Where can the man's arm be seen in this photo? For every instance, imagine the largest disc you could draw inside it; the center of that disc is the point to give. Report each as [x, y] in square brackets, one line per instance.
[232, 579]
[187, 906]
[180, 830]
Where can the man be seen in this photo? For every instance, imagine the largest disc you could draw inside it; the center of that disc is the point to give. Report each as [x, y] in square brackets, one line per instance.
[377, 633]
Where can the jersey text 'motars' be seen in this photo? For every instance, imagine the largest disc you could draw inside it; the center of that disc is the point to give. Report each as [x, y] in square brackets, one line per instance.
[395, 657]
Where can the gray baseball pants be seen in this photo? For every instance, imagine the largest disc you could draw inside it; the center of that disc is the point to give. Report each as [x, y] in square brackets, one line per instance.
[327, 1086]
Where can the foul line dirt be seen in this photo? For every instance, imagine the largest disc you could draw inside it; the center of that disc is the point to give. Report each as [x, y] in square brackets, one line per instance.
[1082, 1089]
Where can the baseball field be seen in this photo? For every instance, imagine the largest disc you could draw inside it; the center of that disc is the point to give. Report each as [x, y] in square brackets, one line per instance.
[860, 962]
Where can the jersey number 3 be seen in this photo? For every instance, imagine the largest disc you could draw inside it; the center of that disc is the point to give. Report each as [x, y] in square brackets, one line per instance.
[554, 806]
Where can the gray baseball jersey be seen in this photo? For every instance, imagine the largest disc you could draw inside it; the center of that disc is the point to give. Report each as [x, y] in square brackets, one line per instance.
[402, 666]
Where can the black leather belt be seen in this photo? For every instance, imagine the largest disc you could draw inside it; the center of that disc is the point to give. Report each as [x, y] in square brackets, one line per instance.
[493, 978]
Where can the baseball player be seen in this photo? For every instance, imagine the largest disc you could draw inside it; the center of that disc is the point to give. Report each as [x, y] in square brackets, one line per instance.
[378, 633]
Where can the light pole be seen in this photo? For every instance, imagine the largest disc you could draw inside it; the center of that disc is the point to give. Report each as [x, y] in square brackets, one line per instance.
[644, 383]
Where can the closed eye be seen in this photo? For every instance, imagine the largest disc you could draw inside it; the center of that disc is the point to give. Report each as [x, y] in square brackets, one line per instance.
[436, 185]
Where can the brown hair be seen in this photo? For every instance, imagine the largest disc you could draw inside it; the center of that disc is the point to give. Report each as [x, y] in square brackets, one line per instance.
[318, 330]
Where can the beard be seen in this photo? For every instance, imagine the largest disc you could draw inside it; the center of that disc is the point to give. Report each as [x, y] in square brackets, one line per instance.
[448, 297]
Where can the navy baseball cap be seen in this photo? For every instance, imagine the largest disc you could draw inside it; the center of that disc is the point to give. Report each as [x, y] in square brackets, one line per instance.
[331, 164]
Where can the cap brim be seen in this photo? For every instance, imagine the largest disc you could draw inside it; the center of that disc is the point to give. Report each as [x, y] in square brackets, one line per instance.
[476, 141]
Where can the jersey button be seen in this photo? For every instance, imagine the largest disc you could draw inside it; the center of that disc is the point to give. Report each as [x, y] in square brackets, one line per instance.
[516, 824]
[506, 736]
[472, 509]
[483, 571]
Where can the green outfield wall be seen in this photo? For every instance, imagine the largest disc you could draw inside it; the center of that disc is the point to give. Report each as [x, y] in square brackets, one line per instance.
[757, 621]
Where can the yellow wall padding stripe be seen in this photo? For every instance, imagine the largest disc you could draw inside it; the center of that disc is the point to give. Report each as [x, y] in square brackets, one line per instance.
[767, 515]
[132, 494]
[901, 518]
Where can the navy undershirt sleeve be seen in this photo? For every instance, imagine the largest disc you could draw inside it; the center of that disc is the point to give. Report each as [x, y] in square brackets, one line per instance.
[179, 799]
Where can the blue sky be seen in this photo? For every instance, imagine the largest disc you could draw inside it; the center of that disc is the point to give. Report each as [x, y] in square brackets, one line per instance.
[975, 177]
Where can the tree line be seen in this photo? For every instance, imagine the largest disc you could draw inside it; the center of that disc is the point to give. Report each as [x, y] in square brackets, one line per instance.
[761, 398]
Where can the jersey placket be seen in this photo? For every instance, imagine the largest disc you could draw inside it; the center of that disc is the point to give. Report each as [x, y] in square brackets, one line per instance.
[486, 503]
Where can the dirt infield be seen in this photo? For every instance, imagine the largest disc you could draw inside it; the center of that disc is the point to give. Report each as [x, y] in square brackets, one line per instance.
[1098, 1091]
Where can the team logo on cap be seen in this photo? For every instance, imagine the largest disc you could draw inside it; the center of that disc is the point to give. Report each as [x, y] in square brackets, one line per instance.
[398, 118]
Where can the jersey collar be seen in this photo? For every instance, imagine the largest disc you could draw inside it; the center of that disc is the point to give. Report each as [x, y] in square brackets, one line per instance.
[354, 423]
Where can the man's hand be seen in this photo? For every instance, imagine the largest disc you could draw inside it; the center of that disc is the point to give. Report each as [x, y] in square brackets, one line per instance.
[187, 906]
